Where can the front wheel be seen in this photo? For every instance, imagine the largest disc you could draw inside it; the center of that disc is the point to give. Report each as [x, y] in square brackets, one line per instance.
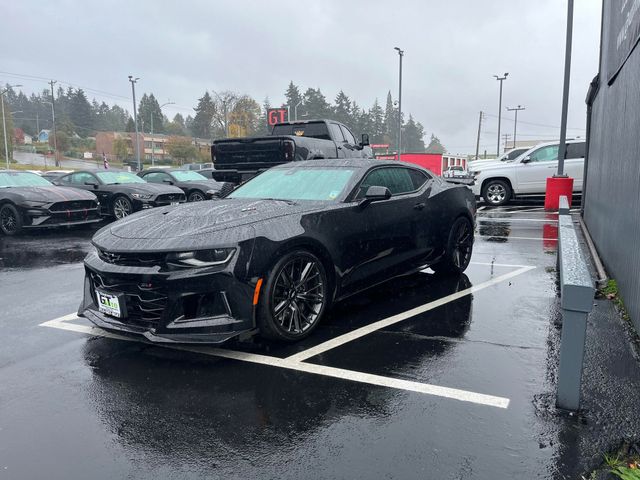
[458, 249]
[10, 220]
[295, 297]
[496, 192]
[122, 207]
[196, 196]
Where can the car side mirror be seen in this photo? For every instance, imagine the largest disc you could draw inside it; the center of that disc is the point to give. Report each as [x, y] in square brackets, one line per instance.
[91, 184]
[375, 193]
[365, 140]
[167, 181]
[526, 159]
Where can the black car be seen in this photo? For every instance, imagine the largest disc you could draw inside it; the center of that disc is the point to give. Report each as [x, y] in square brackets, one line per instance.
[276, 253]
[195, 186]
[120, 192]
[29, 201]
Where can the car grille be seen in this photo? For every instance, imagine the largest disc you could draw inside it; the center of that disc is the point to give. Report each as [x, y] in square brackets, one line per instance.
[132, 259]
[73, 205]
[166, 198]
[144, 302]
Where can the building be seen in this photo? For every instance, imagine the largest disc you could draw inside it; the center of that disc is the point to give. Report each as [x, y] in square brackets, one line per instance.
[611, 198]
[147, 144]
[43, 136]
[434, 162]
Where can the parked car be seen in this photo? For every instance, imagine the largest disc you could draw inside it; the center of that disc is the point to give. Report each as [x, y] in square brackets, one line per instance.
[505, 157]
[195, 186]
[238, 159]
[29, 201]
[455, 171]
[498, 182]
[121, 193]
[51, 175]
[276, 253]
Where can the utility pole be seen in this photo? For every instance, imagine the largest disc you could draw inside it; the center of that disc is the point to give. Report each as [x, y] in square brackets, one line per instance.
[401, 54]
[515, 124]
[478, 139]
[506, 137]
[500, 79]
[37, 124]
[562, 151]
[55, 133]
[135, 118]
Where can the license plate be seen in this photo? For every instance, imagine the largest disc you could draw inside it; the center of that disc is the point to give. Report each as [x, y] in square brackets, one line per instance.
[175, 203]
[109, 304]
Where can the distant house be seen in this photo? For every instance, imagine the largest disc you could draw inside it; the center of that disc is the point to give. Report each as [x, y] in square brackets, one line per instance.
[43, 136]
[28, 139]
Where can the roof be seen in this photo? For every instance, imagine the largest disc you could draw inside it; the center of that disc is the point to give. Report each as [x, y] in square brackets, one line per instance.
[346, 163]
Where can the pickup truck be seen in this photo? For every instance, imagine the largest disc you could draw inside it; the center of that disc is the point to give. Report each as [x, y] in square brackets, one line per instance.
[238, 159]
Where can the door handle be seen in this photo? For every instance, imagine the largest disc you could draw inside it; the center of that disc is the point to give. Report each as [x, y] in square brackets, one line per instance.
[419, 206]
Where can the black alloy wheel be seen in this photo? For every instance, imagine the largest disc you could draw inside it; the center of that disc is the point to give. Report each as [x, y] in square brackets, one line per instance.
[459, 248]
[295, 297]
[122, 207]
[10, 220]
[496, 192]
[196, 196]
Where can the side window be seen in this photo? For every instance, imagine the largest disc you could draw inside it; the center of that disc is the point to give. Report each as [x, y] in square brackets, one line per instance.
[576, 150]
[348, 136]
[336, 133]
[397, 179]
[81, 178]
[65, 179]
[418, 178]
[156, 177]
[545, 154]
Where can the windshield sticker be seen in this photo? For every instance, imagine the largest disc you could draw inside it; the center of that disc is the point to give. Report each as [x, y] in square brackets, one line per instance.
[334, 194]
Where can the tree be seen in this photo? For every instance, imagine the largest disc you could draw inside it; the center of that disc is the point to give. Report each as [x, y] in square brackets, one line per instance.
[176, 126]
[435, 146]
[80, 113]
[63, 141]
[224, 106]
[391, 122]
[293, 97]
[342, 111]
[376, 116]
[412, 137]
[315, 105]
[9, 126]
[120, 148]
[201, 125]
[150, 108]
[181, 148]
[246, 116]
[131, 126]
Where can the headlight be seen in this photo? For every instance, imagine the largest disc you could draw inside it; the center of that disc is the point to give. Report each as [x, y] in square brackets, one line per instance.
[201, 258]
[34, 204]
[142, 196]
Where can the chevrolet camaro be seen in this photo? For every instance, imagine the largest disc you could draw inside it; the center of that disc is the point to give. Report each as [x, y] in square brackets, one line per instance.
[274, 255]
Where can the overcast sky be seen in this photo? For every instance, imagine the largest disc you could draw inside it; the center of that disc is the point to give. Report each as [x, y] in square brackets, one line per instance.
[452, 49]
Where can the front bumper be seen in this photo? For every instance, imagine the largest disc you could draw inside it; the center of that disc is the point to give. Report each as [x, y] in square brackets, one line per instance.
[35, 217]
[185, 306]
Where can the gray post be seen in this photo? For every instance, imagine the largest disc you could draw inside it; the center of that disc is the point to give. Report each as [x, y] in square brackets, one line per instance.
[500, 79]
[401, 54]
[478, 139]
[53, 115]
[577, 292]
[135, 119]
[4, 127]
[562, 150]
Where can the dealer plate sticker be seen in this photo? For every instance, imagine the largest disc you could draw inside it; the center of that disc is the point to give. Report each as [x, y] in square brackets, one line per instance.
[108, 304]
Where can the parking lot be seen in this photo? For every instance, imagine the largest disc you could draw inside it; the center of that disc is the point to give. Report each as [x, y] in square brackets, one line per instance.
[422, 377]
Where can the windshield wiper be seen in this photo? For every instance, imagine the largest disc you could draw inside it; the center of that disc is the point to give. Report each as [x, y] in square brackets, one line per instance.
[290, 202]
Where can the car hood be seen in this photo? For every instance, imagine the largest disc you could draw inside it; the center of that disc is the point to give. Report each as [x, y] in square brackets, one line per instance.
[51, 194]
[152, 188]
[204, 185]
[485, 164]
[203, 218]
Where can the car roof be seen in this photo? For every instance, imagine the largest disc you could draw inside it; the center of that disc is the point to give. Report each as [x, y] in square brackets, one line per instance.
[4, 170]
[166, 169]
[361, 163]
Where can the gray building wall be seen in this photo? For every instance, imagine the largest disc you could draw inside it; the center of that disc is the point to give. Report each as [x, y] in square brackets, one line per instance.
[612, 197]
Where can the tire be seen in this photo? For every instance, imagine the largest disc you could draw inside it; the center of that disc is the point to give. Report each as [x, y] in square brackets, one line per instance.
[289, 311]
[496, 192]
[459, 248]
[10, 220]
[121, 207]
[196, 196]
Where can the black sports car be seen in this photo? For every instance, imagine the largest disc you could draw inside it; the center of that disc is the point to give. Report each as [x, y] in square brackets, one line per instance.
[29, 201]
[276, 253]
[121, 193]
[195, 186]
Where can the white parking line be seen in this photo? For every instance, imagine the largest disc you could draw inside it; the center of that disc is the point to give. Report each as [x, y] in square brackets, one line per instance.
[339, 373]
[367, 329]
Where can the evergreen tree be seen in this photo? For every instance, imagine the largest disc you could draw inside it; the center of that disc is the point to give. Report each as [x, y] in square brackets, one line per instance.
[264, 121]
[80, 113]
[376, 118]
[342, 111]
[293, 97]
[188, 123]
[391, 122]
[131, 126]
[412, 137]
[149, 107]
[435, 146]
[315, 105]
[201, 125]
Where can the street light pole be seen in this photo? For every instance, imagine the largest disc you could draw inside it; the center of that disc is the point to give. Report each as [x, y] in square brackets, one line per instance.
[4, 122]
[55, 132]
[401, 54]
[500, 79]
[135, 118]
[295, 110]
[562, 150]
[515, 124]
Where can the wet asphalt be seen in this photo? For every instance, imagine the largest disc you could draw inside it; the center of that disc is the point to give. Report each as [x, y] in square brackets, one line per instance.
[76, 406]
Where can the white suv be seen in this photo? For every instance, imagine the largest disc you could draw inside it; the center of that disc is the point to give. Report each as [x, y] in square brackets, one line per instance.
[499, 182]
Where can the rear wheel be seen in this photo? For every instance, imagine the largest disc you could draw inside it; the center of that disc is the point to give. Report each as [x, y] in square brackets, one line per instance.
[295, 297]
[10, 219]
[459, 248]
[196, 196]
[496, 192]
[122, 207]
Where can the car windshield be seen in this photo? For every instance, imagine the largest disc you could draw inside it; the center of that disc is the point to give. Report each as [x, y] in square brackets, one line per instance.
[110, 178]
[297, 184]
[22, 179]
[187, 176]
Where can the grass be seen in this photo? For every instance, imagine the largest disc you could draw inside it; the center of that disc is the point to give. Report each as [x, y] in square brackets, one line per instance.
[610, 291]
[624, 468]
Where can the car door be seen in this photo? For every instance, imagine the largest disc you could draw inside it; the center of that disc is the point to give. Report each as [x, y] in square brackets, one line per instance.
[350, 143]
[338, 138]
[534, 169]
[574, 163]
[379, 239]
